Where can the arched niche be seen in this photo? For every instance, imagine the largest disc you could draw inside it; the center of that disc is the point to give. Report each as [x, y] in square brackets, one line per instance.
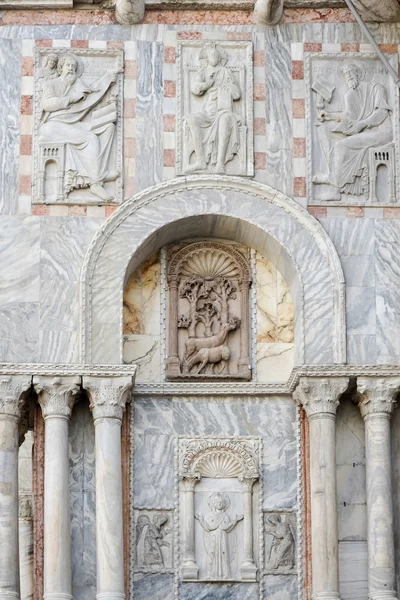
[219, 207]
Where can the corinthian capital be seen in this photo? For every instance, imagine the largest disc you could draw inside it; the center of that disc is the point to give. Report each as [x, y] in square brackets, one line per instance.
[108, 395]
[320, 395]
[56, 395]
[377, 394]
[12, 394]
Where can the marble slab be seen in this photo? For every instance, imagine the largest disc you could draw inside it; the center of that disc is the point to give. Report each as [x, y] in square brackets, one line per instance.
[280, 587]
[353, 570]
[226, 591]
[155, 586]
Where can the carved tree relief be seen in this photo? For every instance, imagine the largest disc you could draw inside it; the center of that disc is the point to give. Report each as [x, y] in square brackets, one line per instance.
[78, 99]
[217, 478]
[215, 124]
[352, 119]
[208, 304]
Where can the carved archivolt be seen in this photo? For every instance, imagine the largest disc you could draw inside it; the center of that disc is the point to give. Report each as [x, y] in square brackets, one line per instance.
[219, 458]
[208, 299]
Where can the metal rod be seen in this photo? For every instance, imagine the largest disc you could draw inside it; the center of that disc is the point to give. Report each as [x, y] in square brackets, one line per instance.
[365, 29]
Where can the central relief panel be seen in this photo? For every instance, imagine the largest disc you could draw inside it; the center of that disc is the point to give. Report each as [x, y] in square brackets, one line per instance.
[208, 332]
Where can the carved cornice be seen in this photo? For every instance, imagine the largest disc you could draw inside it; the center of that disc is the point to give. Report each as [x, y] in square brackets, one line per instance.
[377, 395]
[60, 370]
[108, 396]
[320, 396]
[57, 395]
[12, 390]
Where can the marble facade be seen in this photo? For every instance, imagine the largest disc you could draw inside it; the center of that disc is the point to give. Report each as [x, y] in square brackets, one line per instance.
[264, 464]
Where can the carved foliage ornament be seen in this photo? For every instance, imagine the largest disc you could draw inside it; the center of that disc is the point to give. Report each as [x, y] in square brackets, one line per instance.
[11, 394]
[57, 395]
[219, 458]
[78, 126]
[215, 122]
[320, 395]
[377, 395]
[209, 287]
[108, 397]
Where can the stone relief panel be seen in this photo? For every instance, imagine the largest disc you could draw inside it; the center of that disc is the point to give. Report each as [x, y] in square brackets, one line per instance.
[280, 543]
[153, 541]
[142, 320]
[78, 126]
[352, 130]
[218, 503]
[208, 326]
[215, 100]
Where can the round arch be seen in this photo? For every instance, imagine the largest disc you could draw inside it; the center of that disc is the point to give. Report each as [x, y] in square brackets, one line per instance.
[216, 206]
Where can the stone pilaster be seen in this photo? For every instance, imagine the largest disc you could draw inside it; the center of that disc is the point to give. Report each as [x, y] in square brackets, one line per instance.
[26, 547]
[108, 397]
[320, 399]
[11, 401]
[377, 402]
[56, 398]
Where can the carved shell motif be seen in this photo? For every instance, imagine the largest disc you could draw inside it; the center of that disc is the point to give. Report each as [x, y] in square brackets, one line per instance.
[219, 464]
[209, 263]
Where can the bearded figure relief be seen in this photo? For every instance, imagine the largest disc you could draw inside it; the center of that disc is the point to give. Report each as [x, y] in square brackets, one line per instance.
[76, 128]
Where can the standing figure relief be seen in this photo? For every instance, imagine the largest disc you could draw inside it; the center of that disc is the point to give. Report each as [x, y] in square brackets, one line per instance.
[220, 548]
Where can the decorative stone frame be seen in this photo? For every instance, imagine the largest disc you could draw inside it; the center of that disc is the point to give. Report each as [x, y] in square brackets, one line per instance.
[241, 458]
[392, 148]
[174, 278]
[183, 100]
[232, 208]
[42, 152]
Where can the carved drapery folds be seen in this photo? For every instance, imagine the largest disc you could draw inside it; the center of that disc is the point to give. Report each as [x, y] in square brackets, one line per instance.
[352, 124]
[208, 312]
[215, 120]
[217, 478]
[78, 126]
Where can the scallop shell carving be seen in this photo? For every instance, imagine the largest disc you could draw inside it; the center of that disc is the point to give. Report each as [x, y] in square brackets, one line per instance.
[219, 465]
[209, 263]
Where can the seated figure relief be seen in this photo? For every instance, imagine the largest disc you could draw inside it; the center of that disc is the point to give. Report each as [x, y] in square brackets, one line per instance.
[78, 122]
[359, 122]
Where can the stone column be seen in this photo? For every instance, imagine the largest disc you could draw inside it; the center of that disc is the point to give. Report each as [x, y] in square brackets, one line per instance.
[190, 570]
[320, 398]
[26, 547]
[108, 397]
[173, 362]
[11, 401]
[248, 568]
[244, 359]
[56, 399]
[377, 401]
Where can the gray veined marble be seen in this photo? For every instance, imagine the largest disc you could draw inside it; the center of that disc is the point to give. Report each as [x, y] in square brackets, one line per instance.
[280, 587]
[226, 591]
[154, 479]
[155, 586]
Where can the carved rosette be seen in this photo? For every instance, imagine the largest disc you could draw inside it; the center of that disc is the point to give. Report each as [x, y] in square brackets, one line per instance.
[108, 396]
[320, 396]
[377, 395]
[57, 395]
[12, 395]
[208, 312]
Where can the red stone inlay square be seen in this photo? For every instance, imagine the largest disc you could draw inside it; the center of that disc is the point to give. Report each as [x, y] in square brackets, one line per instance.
[169, 54]
[350, 47]
[110, 210]
[130, 147]
[391, 213]
[312, 47]
[259, 91]
[40, 210]
[298, 108]
[319, 212]
[77, 211]
[79, 44]
[26, 105]
[25, 144]
[130, 108]
[355, 211]
[115, 44]
[259, 126]
[27, 66]
[299, 147]
[169, 158]
[260, 161]
[25, 184]
[299, 187]
[169, 88]
[130, 69]
[44, 43]
[169, 122]
[189, 35]
[297, 69]
[259, 58]
[390, 48]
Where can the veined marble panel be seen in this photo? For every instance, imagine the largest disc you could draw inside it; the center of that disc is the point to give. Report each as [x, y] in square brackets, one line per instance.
[142, 299]
[19, 257]
[19, 332]
[353, 570]
[149, 120]
[225, 591]
[10, 68]
[153, 415]
[143, 351]
[155, 586]
[154, 470]
[280, 587]
[274, 361]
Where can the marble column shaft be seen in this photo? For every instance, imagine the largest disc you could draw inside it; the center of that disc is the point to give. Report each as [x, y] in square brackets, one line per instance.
[173, 362]
[320, 398]
[248, 567]
[190, 569]
[56, 398]
[377, 401]
[11, 400]
[26, 547]
[108, 397]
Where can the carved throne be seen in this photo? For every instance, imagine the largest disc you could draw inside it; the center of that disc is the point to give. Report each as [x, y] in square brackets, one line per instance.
[382, 157]
[51, 172]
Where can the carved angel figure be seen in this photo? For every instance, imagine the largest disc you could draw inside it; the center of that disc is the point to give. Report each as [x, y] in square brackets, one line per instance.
[150, 539]
[365, 122]
[212, 134]
[220, 550]
[282, 548]
[67, 99]
[49, 71]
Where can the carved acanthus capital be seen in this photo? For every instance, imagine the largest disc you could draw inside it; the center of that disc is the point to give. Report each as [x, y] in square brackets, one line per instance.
[377, 394]
[108, 396]
[12, 394]
[189, 480]
[248, 483]
[57, 395]
[319, 396]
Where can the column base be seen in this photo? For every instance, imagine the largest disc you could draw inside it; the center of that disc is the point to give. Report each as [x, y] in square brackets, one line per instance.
[110, 596]
[57, 596]
[383, 595]
[325, 596]
[248, 572]
[5, 595]
[190, 571]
